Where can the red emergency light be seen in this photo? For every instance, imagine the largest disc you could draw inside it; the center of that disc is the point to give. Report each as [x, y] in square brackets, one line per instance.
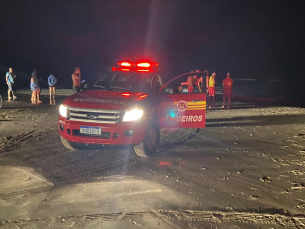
[146, 65]
[126, 94]
[136, 66]
[125, 64]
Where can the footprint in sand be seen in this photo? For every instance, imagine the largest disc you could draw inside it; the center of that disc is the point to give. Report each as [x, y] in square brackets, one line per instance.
[253, 197]
[296, 172]
[265, 179]
[298, 186]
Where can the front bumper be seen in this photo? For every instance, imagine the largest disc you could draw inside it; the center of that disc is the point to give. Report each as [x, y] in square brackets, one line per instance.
[112, 134]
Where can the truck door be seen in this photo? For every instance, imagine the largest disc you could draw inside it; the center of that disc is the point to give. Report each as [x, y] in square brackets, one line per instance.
[183, 105]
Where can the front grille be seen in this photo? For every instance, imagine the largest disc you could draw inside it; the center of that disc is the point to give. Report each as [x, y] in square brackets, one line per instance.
[103, 135]
[94, 115]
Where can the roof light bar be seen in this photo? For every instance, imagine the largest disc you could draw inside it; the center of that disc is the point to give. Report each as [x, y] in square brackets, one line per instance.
[125, 64]
[146, 65]
[126, 94]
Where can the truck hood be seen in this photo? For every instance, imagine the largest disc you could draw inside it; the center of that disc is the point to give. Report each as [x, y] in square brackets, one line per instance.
[96, 99]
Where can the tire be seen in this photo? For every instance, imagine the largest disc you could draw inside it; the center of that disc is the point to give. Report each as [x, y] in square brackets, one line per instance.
[151, 142]
[66, 143]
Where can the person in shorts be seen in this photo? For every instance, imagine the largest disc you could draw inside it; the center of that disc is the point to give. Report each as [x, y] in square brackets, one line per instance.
[52, 81]
[76, 78]
[211, 89]
[36, 81]
[34, 90]
[10, 80]
[227, 90]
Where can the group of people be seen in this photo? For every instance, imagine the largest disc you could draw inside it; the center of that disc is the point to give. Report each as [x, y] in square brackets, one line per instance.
[35, 85]
[195, 84]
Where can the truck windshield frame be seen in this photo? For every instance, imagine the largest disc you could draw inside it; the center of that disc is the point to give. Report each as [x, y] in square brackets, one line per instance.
[125, 81]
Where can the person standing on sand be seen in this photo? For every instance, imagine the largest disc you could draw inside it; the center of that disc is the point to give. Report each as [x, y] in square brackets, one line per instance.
[52, 81]
[36, 81]
[76, 78]
[227, 90]
[211, 88]
[10, 80]
[34, 89]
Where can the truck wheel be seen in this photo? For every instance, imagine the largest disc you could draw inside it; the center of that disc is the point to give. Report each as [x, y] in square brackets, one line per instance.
[66, 143]
[151, 142]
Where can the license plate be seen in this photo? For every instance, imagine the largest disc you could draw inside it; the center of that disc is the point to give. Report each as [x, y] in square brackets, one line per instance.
[90, 130]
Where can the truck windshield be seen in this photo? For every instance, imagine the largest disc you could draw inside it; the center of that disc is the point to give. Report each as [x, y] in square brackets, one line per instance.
[126, 81]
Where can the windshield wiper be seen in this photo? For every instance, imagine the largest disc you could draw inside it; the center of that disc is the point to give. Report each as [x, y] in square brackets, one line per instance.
[120, 88]
[100, 87]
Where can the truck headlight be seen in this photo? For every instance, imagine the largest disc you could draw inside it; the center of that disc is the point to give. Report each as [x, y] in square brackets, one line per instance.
[63, 111]
[133, 115]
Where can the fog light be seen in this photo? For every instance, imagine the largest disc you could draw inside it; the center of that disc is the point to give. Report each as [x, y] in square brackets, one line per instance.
[129, 133]
[61, 127]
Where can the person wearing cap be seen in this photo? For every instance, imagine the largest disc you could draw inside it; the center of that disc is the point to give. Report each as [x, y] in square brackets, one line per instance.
[227, 90]
[76, 78]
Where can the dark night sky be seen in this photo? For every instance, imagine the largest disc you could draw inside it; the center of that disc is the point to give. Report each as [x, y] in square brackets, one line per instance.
[251, 39]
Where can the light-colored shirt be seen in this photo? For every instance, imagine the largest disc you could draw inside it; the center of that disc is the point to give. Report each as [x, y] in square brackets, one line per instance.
[10, 78]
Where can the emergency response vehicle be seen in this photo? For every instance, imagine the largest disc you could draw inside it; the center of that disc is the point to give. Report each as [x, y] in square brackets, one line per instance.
[128, 105]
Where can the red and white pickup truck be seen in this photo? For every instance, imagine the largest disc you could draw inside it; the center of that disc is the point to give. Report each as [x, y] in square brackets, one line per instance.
[127, 106]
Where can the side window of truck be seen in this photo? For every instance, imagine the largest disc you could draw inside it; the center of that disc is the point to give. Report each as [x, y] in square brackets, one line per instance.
[159, 82]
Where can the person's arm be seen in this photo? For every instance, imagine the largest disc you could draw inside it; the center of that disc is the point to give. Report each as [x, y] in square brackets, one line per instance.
[6, 79]
[198, 83]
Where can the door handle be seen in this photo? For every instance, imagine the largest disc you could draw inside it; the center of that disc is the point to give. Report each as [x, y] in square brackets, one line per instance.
[196, 100]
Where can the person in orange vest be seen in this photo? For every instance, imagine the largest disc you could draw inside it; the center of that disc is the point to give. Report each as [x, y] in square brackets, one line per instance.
[227, 90]
[211, 89]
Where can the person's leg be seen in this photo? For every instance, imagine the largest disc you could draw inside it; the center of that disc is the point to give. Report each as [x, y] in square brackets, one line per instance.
[53, 95]
[209, 92]
[14, 97]
[38, 95]
[50, 90]
[229, 99]
[213, 100]
[34, 96]
[223, 99]
[9, 92]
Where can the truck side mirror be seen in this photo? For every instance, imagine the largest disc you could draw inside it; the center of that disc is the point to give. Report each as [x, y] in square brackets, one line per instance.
[168, 90]
[185, 90]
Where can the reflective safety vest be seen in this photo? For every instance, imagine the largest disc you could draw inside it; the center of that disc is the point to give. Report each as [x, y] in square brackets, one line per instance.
[211, 81]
